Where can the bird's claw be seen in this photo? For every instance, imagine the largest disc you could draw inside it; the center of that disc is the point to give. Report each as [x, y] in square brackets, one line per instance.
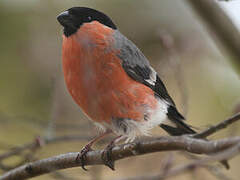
[107, 156]
[81, 157]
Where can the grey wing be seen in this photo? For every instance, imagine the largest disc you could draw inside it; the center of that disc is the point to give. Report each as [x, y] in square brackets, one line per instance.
[138, 67]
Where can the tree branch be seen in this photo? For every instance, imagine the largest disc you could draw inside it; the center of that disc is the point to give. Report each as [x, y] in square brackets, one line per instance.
[215, 128]
[220, 24]
[39, 142]
[167, 143]
[172, 143]
[224, 155]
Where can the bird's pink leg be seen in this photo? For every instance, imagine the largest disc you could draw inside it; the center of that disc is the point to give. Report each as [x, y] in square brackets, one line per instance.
[107, 152]
[81, 157]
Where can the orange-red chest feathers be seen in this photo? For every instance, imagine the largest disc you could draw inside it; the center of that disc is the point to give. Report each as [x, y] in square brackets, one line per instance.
[96, 80]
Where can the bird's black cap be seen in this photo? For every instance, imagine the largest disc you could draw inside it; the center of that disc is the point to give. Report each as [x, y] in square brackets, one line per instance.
[73, 18]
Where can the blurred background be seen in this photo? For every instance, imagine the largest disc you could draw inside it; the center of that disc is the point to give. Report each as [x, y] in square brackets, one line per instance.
[201, 77]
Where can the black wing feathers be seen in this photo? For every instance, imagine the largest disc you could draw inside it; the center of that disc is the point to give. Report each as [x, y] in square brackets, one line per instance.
[141, 74]
[161, 91]
[181, 127]
[138, 68]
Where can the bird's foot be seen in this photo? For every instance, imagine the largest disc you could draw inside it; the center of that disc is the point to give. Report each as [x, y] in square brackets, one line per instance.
[107, 156]
[81, 157]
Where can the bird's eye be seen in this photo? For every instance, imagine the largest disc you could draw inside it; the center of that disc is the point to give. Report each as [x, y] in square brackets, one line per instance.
[89, 18]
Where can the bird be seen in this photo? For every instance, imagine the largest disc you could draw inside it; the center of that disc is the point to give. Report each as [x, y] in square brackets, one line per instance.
[112, 81]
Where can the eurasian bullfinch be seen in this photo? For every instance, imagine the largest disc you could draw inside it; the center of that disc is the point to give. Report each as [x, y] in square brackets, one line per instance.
[112, 81]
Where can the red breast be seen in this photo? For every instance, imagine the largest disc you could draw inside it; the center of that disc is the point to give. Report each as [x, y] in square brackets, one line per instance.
[96, 80]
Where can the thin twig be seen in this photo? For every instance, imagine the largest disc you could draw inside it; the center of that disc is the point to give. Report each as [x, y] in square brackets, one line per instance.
[35, 144]
[218, 127]
[174, 62]
[224, 155]
[213, 169]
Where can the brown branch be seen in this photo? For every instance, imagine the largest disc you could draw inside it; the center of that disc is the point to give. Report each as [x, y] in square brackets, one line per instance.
[220, 24]
[227, 154]
[36, 143]
[213, 169]
[167, 143]
[219, 126]
[175, 64]
[217, 172]
[204, 162]
[40, 141]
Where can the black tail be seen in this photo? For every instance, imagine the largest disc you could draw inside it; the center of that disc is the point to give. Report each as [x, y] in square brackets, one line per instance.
[180, 127]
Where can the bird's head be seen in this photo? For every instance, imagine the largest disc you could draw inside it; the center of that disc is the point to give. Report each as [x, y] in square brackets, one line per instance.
[73, 18]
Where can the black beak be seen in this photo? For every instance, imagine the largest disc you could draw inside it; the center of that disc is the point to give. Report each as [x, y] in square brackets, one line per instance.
[68, 22]
[64, 18]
